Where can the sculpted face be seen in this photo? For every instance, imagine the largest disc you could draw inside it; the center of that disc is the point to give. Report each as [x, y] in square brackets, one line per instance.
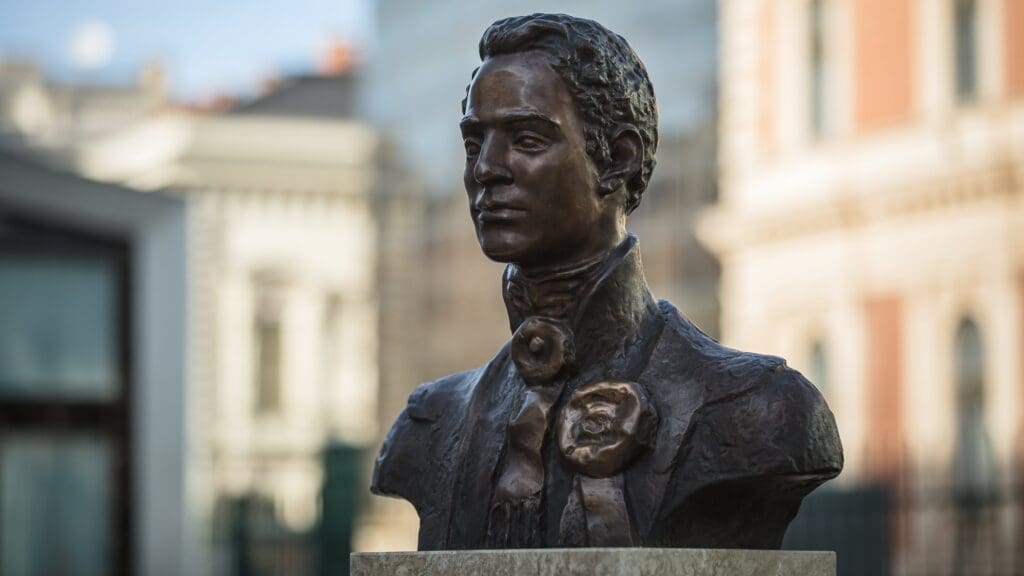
[533, 190]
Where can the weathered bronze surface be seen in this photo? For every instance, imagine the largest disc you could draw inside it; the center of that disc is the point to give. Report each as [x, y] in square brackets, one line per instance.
[608, 419]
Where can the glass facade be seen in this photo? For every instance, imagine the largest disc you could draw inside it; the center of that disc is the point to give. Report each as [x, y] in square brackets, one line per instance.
[65, 470]
[58, 325]
[55, 505]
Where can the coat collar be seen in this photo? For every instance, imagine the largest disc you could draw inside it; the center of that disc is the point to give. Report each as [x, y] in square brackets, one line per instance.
[604, 301]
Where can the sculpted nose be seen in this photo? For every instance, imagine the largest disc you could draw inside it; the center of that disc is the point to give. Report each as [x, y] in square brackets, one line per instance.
[490, 166]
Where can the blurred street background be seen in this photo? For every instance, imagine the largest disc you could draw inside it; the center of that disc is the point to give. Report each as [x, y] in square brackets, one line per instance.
[233, 239]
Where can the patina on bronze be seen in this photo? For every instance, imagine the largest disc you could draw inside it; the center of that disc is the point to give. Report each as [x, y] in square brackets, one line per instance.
[608, 419]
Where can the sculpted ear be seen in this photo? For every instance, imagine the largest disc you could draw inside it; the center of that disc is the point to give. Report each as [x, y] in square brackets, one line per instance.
[626, 151]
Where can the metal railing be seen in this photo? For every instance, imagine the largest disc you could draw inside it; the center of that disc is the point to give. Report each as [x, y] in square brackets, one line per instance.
[915, 531]
[251, 540]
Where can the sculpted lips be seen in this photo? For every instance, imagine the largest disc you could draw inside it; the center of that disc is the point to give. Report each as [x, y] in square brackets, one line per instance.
[497, 213]
[500, 215]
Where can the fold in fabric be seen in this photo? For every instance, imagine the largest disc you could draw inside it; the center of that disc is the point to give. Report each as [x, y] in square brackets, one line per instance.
[515, 512]
[514, 524]
[595, 514]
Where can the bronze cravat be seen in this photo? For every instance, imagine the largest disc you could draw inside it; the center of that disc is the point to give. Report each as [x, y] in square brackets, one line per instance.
[543, 351]
[544, 310]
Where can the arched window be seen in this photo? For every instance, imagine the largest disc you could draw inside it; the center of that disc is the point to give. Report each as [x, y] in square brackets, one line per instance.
[819, 366]
[965, 22]
[974, 470]
[974, 474]
[267, 341]
[970, 369]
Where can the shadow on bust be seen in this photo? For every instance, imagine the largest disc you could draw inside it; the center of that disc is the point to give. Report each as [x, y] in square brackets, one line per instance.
[608, 419]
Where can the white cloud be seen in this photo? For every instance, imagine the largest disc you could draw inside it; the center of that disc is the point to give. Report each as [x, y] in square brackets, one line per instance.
[91, 44]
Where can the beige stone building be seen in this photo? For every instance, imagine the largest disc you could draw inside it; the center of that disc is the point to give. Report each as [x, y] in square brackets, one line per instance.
[282, 289]
[870, 228]
[54, 120]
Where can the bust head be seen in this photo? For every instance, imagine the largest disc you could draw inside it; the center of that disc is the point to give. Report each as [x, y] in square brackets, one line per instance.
[560, 128]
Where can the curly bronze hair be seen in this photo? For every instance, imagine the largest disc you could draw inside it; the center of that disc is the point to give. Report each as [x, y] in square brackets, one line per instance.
[607, 80]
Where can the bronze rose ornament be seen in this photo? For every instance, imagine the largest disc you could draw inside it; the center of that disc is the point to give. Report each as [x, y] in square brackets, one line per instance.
[603, 428]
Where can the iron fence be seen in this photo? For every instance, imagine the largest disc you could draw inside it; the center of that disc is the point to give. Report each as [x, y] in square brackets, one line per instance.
[921, 530]
[250, 539]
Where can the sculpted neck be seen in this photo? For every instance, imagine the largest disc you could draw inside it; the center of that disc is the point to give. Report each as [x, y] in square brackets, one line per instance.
[598, 248]
[573, 293]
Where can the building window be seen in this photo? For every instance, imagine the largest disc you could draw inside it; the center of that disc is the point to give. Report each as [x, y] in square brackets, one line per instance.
[974, 470]
[818, 109]
[819, 366]
[966, 55]
[331, 340]
[65, 398]
[973, 462]
[267, 355]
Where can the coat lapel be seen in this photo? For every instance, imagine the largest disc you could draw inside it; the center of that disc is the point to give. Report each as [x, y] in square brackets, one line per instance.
[677, 393]
[482, 442]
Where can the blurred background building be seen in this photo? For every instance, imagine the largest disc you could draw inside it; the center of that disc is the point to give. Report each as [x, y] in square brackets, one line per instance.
[55, 119]
[280, 386]
[282, 276]
[871, 230]
[269, 227]
[92, 372]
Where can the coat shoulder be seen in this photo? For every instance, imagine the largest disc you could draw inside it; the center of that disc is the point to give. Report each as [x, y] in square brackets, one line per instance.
[771, 418]
[719, 363]
[759, 437]
[433, 412]
[429, 401]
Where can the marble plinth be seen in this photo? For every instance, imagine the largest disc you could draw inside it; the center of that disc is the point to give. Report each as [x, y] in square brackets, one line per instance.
[596, 562]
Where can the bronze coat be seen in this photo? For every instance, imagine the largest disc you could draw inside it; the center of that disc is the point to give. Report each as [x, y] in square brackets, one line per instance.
[742, 437]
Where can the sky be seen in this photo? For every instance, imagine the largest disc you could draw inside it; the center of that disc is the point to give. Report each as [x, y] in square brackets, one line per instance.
[206, 47]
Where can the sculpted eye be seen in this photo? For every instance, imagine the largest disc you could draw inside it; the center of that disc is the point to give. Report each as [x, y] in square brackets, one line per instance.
[531, 143]
[472, 146]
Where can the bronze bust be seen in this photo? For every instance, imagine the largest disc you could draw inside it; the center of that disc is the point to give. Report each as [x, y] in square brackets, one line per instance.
[608, 419]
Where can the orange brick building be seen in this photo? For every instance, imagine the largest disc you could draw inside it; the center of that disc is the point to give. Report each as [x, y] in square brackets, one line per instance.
[871, 229]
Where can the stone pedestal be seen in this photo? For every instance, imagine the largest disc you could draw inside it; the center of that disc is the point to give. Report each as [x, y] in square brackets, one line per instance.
[596, 562]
